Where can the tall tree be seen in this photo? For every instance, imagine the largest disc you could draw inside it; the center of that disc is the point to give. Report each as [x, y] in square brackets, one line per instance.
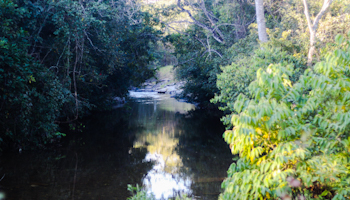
[59, 59]
[313, 27]
[260, 18]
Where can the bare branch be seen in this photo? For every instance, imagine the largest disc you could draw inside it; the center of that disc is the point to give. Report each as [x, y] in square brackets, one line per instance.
[182, 21]
[191, 16]
[325, 6]
[194, 57]
[207, 47]
[307, 15]
[206, 13]
[130, 9]
[213, 50]
[167, 25]
[58, 61]
[92, 44]
[313, 27]
[214, 30]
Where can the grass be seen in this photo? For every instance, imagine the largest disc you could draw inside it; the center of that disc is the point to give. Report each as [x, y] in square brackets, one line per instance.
[166, 73]
[166, 83]
[138, 193]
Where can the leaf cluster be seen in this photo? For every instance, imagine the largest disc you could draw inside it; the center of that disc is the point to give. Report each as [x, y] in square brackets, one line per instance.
[293, 138]
[235, 78]
[60, 59]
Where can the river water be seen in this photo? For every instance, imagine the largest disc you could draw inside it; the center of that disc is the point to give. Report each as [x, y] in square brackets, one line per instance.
[164, 145]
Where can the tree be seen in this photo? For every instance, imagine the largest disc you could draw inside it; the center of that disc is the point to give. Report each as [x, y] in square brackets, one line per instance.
[293, 139]
[313, 27]
[206, 15]
[59, 59]
[260, 18]
[31, 96]
[235, 78]
[202, 48]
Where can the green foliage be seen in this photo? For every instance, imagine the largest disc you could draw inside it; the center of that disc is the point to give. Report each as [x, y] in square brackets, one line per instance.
[200, 82]
[288, 44]
[138, 193]
[293, 138]
[106, 48]
[30, 95]
[59, 59]
[289, 17]
[287, 30]
[200, 55]
[235, 78]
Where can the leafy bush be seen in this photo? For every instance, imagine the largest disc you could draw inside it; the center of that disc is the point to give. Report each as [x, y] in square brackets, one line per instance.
[58, 59]
[293, 139]
[235, 78]
[31, 97]
[139, 193]
[200, 83]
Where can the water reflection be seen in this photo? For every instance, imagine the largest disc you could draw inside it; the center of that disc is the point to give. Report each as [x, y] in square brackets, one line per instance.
[162, 183]
[155, 141]
[160, 137]
[185, 145]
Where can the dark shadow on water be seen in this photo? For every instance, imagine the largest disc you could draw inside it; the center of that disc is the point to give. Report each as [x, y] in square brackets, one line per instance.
[94, 164]
[156, 143]
[206, 156]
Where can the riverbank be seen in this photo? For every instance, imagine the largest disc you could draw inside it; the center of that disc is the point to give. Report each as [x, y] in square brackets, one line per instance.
[164, 83]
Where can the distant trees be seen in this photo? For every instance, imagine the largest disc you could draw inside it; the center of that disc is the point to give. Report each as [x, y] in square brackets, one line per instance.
[202, 48]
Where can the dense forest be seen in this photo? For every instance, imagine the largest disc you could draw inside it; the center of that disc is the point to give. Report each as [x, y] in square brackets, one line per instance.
[279, 71]
[61, 59]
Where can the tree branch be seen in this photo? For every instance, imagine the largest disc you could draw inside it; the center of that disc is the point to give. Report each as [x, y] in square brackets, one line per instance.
[191, 16]
[325, 6]
[208, 49]
[313, 27]
[307, 15]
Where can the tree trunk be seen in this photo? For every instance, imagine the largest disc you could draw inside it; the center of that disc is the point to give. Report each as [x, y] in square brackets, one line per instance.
[312, 47]
[313, 27]
[260, 18]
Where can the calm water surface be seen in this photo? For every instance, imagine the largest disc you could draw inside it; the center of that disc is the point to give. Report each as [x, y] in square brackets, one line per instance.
[155, 141]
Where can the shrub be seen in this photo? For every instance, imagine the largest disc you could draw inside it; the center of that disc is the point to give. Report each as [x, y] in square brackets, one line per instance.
[235, 78]
[31, 97]
[293, 139]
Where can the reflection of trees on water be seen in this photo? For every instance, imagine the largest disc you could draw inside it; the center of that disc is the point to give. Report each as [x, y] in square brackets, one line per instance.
[187, 149]
[159, 138]
[104, 166]
[162, 145]
[204, 153]
[146, 142]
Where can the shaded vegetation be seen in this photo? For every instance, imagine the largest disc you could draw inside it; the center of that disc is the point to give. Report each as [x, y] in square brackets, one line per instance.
[60, 59]
[286, 100]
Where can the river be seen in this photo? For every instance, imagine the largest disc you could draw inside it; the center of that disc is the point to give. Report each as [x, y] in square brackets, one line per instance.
[167, 146]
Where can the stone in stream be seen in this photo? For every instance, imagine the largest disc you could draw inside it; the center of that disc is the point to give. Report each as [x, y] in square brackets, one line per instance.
[162, 91]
